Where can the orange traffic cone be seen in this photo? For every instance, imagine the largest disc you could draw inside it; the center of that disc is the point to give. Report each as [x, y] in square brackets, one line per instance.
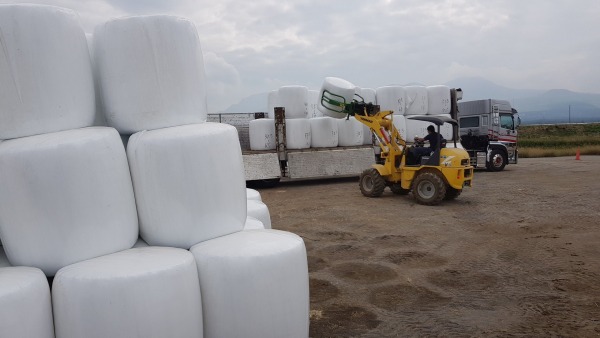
[577, 155]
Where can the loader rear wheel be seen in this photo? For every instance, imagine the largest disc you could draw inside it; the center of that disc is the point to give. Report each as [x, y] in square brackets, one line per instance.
[371, 183]
[429, 188]
[398, 190]
[452, 193]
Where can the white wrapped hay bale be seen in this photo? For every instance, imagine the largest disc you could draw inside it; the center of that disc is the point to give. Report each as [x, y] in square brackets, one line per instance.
[324, 132]
[295, 101]
[350, 132]
[264, 274]
[65, 197]
[272, 102]
[416, 100]
[253, 224]
[142, 292]
[151, 72]
[343, 89]
[369, 95]
[252, 194]
[262, 134]
[297, 133]
[25, 306]
[260, 211]
[313, 104]
[438, 100]
[189, 183]
[45, 71]
[392, 98]
[400, 124]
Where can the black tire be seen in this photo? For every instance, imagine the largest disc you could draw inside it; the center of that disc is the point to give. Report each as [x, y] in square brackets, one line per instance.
[398, 190]
[371, 183]
[429, 188]
[452, 193]
[497, 161]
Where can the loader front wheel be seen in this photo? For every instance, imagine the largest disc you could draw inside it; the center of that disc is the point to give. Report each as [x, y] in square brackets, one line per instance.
[371, 183]
[429, 188]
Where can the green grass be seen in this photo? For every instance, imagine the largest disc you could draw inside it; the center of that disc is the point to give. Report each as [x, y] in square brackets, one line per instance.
[559, 140]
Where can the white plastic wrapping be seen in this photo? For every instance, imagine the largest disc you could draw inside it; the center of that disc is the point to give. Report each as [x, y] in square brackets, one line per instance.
[142, 292]
[252, 194]
[392, 98]
[295, 101]
[313, 104]
[324, 132]
[65, 197]
[264, 275]
[45, 72]
[260, 211]
[253, 224]
[350, 132]
[400, 124]
[151, 72]
[25, 306]
[262, 134]
[272, 102]
[189, 183]
[416, 100]
[345, 91]
[438, 100]
[297, 133]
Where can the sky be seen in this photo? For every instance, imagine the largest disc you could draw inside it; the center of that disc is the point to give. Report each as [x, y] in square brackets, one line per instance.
[252, 47]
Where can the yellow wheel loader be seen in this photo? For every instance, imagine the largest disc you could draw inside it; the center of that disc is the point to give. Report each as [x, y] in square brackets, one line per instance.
[439, 175]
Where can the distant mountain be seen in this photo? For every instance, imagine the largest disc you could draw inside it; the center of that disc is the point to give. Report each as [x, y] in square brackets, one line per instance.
[534, 106]
[252, 104]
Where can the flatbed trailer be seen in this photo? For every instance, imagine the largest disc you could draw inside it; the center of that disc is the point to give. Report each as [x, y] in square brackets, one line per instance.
[282, 164]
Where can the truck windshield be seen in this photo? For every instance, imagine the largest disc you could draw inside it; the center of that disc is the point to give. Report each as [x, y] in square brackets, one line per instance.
[507, 122]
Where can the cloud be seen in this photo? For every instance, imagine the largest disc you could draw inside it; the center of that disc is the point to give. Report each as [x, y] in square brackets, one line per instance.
[255, 46]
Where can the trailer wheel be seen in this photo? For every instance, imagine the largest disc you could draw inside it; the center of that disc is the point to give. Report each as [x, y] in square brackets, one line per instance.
[452, 193]
[371, 183]
[398, 190]
[429, 188]
[497, 161]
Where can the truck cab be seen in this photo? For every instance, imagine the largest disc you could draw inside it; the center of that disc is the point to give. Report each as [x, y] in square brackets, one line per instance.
[488, 131]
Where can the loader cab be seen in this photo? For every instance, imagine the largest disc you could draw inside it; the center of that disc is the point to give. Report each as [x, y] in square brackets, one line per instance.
[434, 158]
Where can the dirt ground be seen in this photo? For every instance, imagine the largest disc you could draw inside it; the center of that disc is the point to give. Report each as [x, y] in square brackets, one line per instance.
[518, 254]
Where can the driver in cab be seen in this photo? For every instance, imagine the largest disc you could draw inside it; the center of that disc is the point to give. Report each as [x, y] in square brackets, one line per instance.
[432, 137]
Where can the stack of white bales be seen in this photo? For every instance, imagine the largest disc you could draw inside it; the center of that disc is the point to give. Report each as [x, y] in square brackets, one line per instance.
[350, 132]
[408, 101]
[324, 129]
[189, 183]
[294, 99]
[67, 204]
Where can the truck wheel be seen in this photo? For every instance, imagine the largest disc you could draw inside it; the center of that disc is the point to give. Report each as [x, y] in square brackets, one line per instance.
[452, 193]
[497, 161]
[398, 190]
[429, 188]
[371, 183]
